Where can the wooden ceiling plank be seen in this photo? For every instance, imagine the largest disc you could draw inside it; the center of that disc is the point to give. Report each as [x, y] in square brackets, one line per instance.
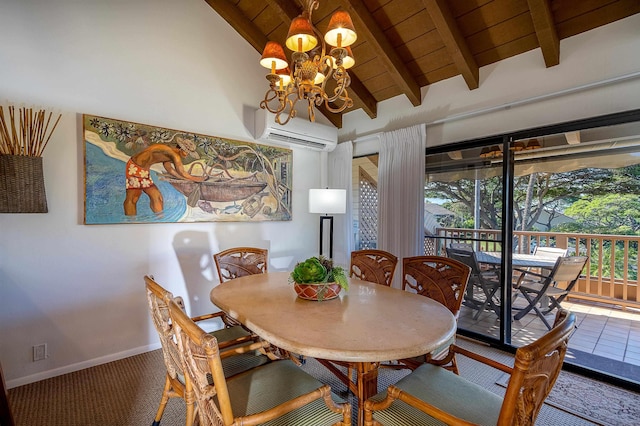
[454, 41]
[545, 31]
[367, 27]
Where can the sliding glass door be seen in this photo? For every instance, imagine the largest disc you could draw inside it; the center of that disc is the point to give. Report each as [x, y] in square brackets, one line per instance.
[464, 215]
[522, 201]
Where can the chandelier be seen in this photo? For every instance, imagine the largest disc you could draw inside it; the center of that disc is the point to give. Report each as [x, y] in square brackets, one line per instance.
[312, 75]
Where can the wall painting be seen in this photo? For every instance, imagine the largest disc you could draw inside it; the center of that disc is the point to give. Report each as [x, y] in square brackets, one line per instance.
[137, 173]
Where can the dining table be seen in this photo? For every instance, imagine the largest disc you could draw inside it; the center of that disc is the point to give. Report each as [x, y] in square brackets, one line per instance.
[365, 325]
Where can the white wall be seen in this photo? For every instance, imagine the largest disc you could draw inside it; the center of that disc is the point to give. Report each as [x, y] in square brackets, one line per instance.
[595, 56]
[170, 63]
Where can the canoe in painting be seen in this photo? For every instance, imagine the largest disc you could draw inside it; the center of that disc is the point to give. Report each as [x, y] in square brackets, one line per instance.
[217, 190]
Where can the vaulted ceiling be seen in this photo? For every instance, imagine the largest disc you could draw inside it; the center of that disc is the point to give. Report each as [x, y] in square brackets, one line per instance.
[404, 45]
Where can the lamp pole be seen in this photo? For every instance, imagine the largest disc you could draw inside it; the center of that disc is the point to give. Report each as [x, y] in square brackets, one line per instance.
[326, 202]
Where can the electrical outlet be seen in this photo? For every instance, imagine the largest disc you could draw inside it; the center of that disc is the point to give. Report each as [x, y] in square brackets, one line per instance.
[39, 352]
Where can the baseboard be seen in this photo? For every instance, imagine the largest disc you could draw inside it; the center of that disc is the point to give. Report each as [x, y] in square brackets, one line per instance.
[20, 381]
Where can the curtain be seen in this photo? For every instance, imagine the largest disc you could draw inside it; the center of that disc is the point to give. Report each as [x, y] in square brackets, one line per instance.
[401, 177]
[340, 177]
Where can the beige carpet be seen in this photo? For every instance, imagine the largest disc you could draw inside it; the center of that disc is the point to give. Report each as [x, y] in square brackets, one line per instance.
[127, 392]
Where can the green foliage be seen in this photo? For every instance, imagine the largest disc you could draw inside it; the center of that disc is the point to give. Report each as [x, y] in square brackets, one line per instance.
[319, 270]
[309, 271]
[608, 214]
[550, 193]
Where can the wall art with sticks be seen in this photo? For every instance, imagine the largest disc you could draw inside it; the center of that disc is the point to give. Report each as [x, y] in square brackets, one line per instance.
[138, 173]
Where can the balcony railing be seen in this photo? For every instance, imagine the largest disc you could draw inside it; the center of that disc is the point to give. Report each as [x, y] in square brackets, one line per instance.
[611, 273]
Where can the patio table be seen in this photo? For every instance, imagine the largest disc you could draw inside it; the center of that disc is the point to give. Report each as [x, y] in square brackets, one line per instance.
[519, 260]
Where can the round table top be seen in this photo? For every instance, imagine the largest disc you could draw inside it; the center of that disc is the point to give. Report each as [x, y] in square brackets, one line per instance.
[367, 323]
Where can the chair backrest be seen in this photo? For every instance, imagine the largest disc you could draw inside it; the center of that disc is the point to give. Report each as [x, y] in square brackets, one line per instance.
[568, 269]
[462, 246]
[536, 368]
[549, 252]
[377, 266]
[439, 278]
[463, 255]
[204, 375]
[240, 261]
[157, 297]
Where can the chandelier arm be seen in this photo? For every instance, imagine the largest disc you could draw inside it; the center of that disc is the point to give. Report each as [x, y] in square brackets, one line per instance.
[269, 97]
[348, 103]
[287, 108]
[343, 80]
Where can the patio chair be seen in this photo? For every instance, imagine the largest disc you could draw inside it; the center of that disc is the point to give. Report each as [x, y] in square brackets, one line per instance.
[444, 280]
[534, 286]
[547, 253]
[235, 338]
[275, 393]
[433, 395]
[488, 281]
[376, 266]
[240, 261]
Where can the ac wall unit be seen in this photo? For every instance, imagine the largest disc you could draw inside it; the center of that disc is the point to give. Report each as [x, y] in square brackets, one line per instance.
[297, 132]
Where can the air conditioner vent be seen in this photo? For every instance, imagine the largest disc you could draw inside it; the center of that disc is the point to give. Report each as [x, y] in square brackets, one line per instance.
[297, 132]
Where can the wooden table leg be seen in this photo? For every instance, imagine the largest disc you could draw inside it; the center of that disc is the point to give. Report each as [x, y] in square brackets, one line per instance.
[367, 385]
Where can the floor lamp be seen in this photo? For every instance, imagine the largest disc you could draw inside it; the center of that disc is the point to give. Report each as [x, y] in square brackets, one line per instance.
[327, 202]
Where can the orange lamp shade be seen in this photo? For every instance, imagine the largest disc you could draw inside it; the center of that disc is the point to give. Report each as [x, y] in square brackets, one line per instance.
[273, 57]
[341, 32]
[301, 37]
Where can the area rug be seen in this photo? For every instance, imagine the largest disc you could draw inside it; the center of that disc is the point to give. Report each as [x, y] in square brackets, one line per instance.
[593, 401]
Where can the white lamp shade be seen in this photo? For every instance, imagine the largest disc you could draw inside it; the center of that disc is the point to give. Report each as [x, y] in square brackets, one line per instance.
[327, 201]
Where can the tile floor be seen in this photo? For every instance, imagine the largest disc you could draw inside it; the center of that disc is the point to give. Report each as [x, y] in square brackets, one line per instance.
[602, 329]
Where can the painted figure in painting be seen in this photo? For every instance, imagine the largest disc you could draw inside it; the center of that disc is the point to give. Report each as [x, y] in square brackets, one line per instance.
[139, 178]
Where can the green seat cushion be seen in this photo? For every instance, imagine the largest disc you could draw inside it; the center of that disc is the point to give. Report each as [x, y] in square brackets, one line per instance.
[229, 333]
[445, 390]
[242, 362]
[274, 383]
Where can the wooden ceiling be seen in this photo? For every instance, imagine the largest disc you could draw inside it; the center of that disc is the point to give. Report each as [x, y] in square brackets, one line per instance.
[404, 45]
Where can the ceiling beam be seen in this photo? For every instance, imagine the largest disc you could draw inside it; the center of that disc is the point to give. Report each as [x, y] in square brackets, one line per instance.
[545, 31]
[454, 41]
[368, 29]
[287, 11]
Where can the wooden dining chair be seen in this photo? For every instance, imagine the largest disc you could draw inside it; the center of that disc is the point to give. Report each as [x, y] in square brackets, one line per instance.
[275, 393]
[535, 287]
[488, 281]
[240, 261]
[234, 339]
[444, 280]
[433, 395]
[376, 266]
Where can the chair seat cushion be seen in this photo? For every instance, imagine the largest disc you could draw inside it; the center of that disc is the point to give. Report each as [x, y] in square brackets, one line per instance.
[274, 383]
[229, 333]
[445, 390]
[438, 353]
[238, 363]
